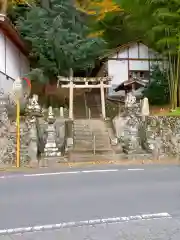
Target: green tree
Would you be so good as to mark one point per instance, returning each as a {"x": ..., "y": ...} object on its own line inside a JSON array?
[
  {"x": 59, "y": 40},
  {"x": 98, "y": 8},
  {"x": 115, "y": 29},
  {"x": 159, "y": 24},
  {"x": 157, "y": 90},
  {"x": 17, "y": 11}
]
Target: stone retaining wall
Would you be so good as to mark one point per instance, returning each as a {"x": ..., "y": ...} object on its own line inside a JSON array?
[
  {"x": 158, "y": 136},
  {"x": 161, "y": 135}
]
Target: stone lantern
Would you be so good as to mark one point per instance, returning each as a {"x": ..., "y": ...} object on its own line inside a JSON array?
[
  {"x": 51, "y": 148},
  {"x": 33, "y": 108}
]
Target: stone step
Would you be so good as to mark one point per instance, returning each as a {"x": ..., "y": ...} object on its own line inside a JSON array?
[
  {"x": 76, "y": 157},
  {"x": 82, "y": 136},
  {"x": 79, "y": 115},
  {"x": 96, "y": 127},
  {"x": 94, "y": 109},
  {"x": 90, "y": 136},
  {"x": 83, "y": 114},
  {"x": 84, "y": 127},
  {"x": 90, "y": 148},
  {"x": 82, "y": 133},
  {"x": 78, "y": 125},
  {"x": 90, "y": 145},
  {"x": 76, "y": 134},
  {"x": 81, "y": 140},
  {"x": 101, "y": 135},
  {"x": 84, "y": 130},
  {"x": 98, "y": 143},
  {"x": 83, "y": 144}
]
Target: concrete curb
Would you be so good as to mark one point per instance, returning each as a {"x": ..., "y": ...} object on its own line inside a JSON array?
[
  {"x": 15, "y": 169},
  {"x": 82, "y": 164},
  {"x": 122, "y": 163}
]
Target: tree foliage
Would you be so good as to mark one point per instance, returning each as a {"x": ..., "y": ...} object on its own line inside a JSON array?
[
  {"x": 114, "y": 29},
  {"x": 158, "y": 21},
  {"x": 157, "y": 90},
  {"x": 99, "y": 8},
  {"x": 19, "y": 8},
  {"x": 158, "y": 25},
  {"x": 110, "y": 22},
  {"x": 59, "y": 40}
]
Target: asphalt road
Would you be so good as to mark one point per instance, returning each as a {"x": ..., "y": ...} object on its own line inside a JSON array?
[
  {"x": 166, "y": 229},
  {"x": 52, "y": 199}
]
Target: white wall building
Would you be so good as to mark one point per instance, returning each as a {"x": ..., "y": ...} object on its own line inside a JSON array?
[
  {"x": 13, "y": 55},
  {"x": 131, "y": 60}
]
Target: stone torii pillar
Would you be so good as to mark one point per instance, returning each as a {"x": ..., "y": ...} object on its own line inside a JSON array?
[
  {"x": 103, "y": 107},
  {"x": 71, "y": 93}
]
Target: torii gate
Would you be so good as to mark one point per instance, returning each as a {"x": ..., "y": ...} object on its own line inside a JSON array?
[{"x": 99, "y": 82}]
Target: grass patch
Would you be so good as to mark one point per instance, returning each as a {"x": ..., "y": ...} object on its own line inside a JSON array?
[
  {"x": 174, "y": 113},
  {"x": 164, "y": 111}
]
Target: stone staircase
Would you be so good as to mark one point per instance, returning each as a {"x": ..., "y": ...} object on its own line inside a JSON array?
[
  {"x": 91, "y": 141},
  {"x": 79, "y": 107},
  {"x": 94, "y": 104}
]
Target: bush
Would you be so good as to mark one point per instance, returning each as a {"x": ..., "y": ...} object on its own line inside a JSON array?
[
  {"x": 112, "y": 109},
  {"x": 157, "y": 90}
]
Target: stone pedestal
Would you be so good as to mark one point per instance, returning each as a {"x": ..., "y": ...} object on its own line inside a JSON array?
[
  {"x": 24, "y": 144},
  {"x": 131, "y": 143},
  {"x": 61, "y": 112},
  {"x": 51, "y": 150},
  {"x": 129, "y": 123},
  {"x": 32, "y": 150},
  {"x": 34, "y": 111}
]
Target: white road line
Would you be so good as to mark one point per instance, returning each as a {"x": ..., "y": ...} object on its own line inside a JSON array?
[
  {"x": 84, "y": 223},
  {"x": 50, "y": 174},
  {"x": 72, "y": 172},
  {"x": 67, "y": 173},
  {"x": 136, "y": 169},
  {"x": 97, "y": 171},
  {"x": 57, "y": 173}
]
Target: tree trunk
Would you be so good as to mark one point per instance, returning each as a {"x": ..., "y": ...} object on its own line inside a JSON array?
[
  {"x": 3, "y": 6},
  {"x": 178, "y": 96},
  {"x": 45, "y": 4}
]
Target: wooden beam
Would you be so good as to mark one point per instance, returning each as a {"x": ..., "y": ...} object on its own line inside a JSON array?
[
  {"x": 136, "y": 59},
  {"x": 138, "y": 50},
  {"x": 103, "y": 106},
  {"x": 149, "y": 64},
  {"x": 86, "y": 86},
  {"x": 71, "y": 94},
  {"x": 81, "y": 79},
  {"x": 128, "y": 63}
]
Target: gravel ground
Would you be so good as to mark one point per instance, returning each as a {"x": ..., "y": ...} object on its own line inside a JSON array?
[{"x": 159, "y": 229}]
